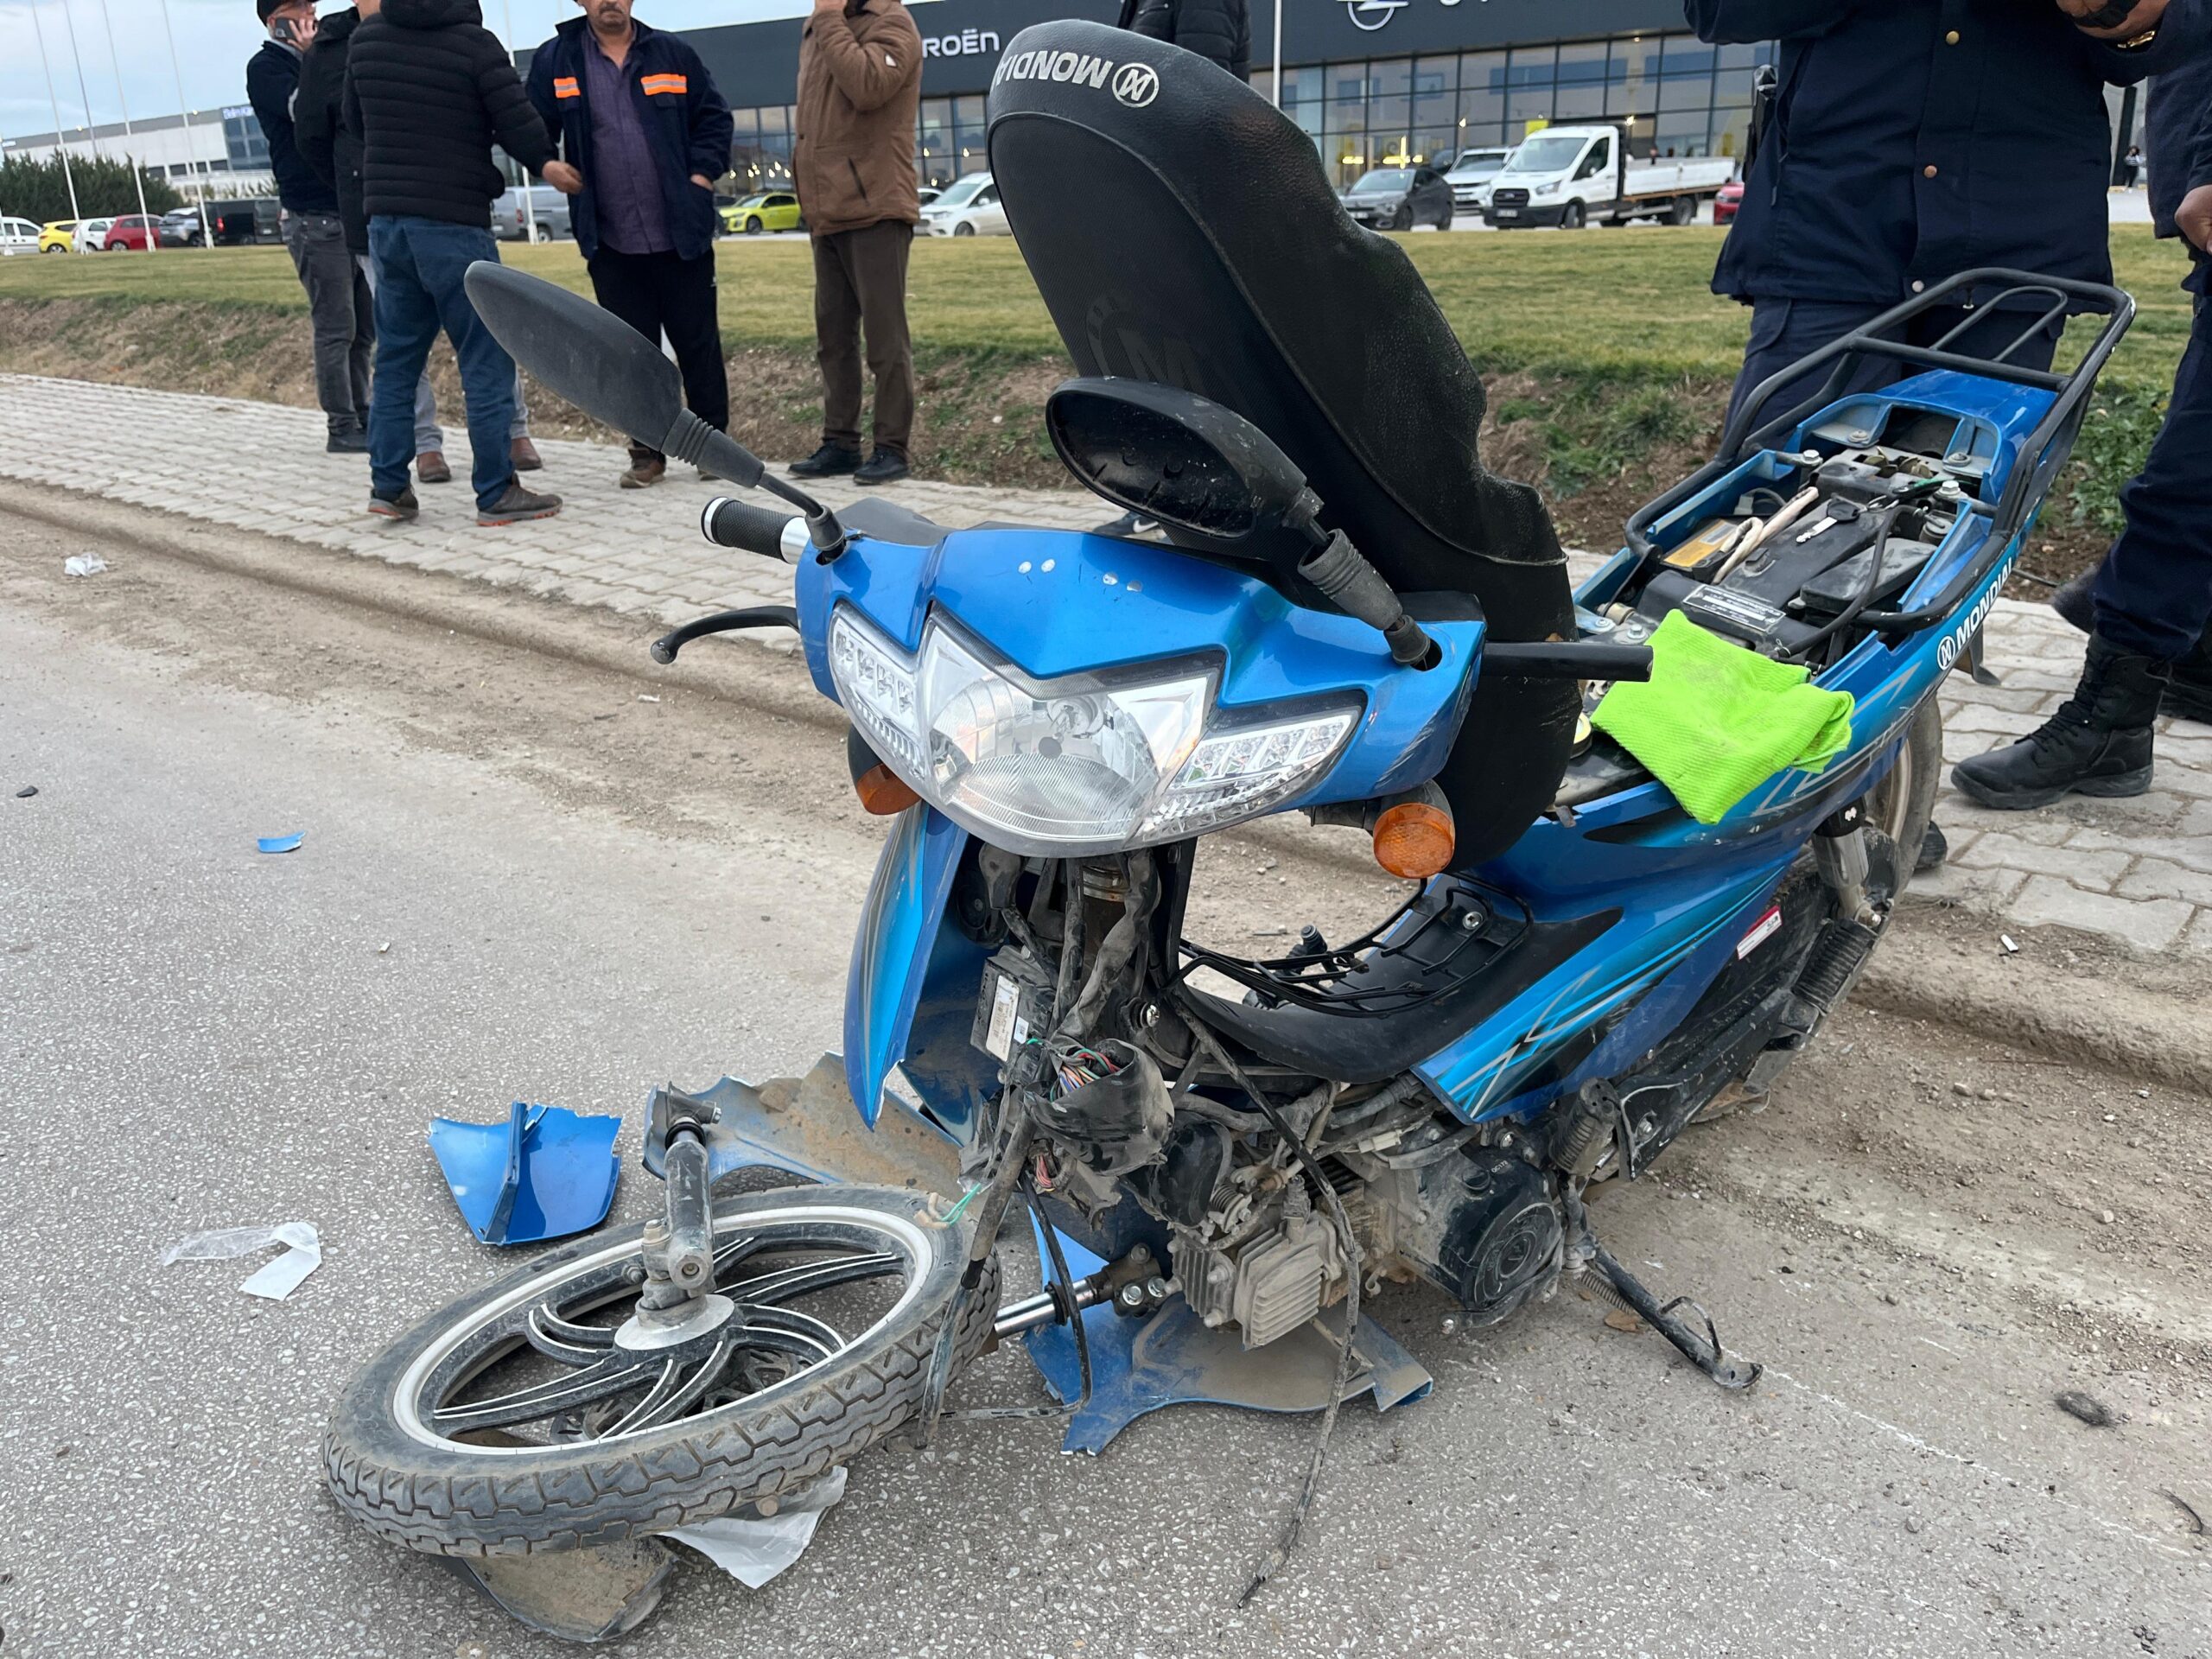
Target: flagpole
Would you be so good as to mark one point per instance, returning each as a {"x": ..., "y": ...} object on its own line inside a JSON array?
[
  {"x": 60, "y": 144},
  {"x": 85, "y": 97},
  {"x": 1276, "y": 86},
  {"x": 137, "y": 171},
  {"x": 528, "y": 195},
  {"x": 176, "y": 69}
]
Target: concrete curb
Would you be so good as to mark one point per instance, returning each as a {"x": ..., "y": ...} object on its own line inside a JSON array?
[{"x": 1926, "y": 970}]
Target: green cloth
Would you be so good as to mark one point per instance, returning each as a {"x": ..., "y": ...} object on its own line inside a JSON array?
[{"x": 1715, "y": 721}]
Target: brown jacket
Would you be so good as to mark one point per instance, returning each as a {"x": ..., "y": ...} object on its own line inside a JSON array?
[{"x": 859, "y": 88}]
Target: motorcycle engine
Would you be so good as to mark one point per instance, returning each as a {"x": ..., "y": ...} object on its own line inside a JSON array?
[{"x": 1270, "y": 1281}]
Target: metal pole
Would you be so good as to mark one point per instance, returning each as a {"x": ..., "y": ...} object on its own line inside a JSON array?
[
  {"x": 137, "y": 171},
  {"x": 84, "y": 97},
  {"x": 60, "y": 145},
  {"x": 1276, "y": 89},
  {"x": 176, "y": 69},
  {"x": 528, "y": 195}
]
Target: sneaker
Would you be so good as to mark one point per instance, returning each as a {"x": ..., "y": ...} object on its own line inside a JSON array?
[
  {"x": 430, "y": 467},
  {"x": 646, "y": 470},
  {"x": 403, "y": 506},
  {"x": 884, "y": 466},
  {"x": 523, "y": 454},
  {"x": 1128, "y": 525},
  {"x": 827, "y": 462},
  {"x": 346, "y": 440},
  {"x": 516, "y": 505}
]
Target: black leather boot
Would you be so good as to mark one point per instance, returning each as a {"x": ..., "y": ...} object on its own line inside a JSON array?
[
  {"x": 2098, "y": 743},
  {"x": 2070, "y": 599}
]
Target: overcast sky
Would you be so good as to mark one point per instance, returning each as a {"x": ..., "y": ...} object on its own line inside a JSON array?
[{"x": 213, "y": 40}]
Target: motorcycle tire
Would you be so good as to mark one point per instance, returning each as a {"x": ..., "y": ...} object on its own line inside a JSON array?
[
  {"x": 1903, "y": 804},
  {"x": 392, "y": 1471}
]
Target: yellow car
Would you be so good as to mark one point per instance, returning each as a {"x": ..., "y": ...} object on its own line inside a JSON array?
[
  {"x": 59, "y": 237},
  {"x": 764, "y": 210}
]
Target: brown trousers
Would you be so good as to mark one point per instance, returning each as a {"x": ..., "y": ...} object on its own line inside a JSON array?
[{"x": 860, "y": 282}]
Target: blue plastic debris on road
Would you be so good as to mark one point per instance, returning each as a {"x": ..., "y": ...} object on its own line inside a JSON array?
[
  {"x": 545, "y": 1173},
  {"x": 280, "y": 844}
]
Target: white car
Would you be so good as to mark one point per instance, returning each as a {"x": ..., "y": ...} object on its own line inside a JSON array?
[
  {"x": 970, "y": 207},
  {"x": 92, "y": 236},
  {"x": 1472, "y": 174},
  {"x": 18, "y": 236}
]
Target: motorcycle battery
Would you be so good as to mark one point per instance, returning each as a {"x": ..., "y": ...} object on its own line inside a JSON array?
[{"x": 1015, "y": 1006}]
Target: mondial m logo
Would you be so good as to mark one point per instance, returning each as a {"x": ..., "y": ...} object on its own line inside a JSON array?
[
  {"x": 1135, "y": 85},
  {"x": 1371, "y": 15}
]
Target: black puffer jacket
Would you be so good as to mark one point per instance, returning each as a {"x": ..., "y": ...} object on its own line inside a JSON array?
[
  {"x": 326, "y": 143},
  {"x": 430, "y": 91},
  {"x": 1219, "y": 31}
]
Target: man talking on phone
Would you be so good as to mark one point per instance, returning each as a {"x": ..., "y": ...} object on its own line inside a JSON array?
[{"x": 337, "y": 294}]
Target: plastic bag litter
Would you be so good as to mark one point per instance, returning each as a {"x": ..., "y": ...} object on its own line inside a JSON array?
[
  {"x": 273, "y": 1281},
  {"x": 754, "y": 1548},
  {"x": 83, "y": 564}
]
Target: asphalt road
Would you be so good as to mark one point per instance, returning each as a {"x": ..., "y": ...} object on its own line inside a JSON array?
[{"x": 521, "y": 881}]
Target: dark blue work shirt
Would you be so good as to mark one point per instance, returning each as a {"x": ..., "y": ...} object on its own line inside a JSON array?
[
  {"x": 2177, "y": 145},
  {"x": 625, "y": 179},
  {"x": 1914, "y": 139}
]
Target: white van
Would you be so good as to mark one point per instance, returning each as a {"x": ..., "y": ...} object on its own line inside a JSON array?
[
  {"x": 1569, "y": 175},
  {"x": 18, "y": 236}
]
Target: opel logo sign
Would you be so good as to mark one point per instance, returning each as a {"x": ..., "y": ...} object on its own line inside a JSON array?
[
  {"x": 1371, "y": 15},
  {"x": 1135, "y": 85}
]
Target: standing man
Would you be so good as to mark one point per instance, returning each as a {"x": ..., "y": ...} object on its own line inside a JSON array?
[
  {"x": 640, "y": 119},
  {"x": 430, "y": 90},
  {"x": 333, "y": 150},
  {"x": 859, "y": 88},
  {"x": 2150, "y": 603},
  {"x": 338, "y": 299},
  {"x": 1219, "y": 31},
  {"x": 1916, "y": 139}
]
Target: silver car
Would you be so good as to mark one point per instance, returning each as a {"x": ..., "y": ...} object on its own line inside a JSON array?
[{"x": 511, "y": 220}]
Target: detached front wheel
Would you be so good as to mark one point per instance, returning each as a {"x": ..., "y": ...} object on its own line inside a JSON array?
[{"x": 534, "y": 1416}]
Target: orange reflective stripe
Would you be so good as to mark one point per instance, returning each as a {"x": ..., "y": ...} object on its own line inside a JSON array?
[
  {"x": 652, "y": 83},
  {"x": 565, "y": 87}
]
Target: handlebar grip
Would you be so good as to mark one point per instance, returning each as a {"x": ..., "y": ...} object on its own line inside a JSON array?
[
  {"x": 1576, "y": 659},
  {"x": 771, "y": 534}
]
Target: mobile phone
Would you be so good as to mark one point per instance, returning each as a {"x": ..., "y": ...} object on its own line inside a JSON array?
[{"x": 285, "y": 31}]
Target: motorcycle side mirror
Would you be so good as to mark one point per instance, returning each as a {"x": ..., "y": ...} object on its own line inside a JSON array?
[
  {"x": 614, "y": 374},
  {"x": 1187, "y": 462}
]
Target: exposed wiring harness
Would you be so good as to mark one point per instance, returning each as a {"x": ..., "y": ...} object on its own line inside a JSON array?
[{"x": 1275, "y": 1558}]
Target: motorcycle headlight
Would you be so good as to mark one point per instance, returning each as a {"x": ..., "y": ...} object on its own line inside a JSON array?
[{"x": 1072, "y": 765}]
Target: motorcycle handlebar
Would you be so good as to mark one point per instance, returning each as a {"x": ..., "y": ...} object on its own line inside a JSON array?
[{"x": 771, "y": 534}]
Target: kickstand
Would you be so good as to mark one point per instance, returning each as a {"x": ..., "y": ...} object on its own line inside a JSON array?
[{"x": 1703, "y": 1352}]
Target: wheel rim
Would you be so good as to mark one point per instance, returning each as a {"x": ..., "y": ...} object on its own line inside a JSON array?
[{"x": 540, "y": 1368}]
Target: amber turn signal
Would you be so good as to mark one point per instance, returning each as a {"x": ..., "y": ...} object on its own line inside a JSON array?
[
  {"x": 1414, "y": 839},
  {"x": 883, "y": 792}
]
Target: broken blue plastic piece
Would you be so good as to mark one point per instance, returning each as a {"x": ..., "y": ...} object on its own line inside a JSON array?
[
  {"x": 544, "y": 1173},
  {"x": 280, "y": 844}
]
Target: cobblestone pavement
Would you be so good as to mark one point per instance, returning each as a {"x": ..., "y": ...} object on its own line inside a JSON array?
[{"x": 2137, "y": 872}]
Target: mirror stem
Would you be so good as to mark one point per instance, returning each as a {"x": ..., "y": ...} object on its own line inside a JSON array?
[{"x": 689, "y": 438}]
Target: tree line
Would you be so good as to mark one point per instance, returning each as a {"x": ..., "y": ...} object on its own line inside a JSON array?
[{"x": 105, "y": 188}]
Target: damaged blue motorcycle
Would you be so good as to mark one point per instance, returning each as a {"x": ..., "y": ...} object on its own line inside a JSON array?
[{"x": 1216, "y": 1157}]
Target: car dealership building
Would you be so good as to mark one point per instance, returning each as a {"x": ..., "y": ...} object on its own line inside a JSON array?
[{"x": 1374, "y": 81}]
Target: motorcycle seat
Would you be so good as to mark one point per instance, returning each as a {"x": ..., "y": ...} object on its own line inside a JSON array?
[{"x": 1181, "y": 231}]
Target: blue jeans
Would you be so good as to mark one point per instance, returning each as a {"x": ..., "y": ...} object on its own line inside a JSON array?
[
  {"x": 2153, "y": 593},
  {"x": 419, "y": 264}
]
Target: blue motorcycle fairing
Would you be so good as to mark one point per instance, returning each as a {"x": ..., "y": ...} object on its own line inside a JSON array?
[
  {"x": 1057, "y": 602},
  {"x": 900, "y": 922}
]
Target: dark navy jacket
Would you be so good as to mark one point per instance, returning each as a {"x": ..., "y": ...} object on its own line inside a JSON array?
[
  {"x": 2178, "y": 135},
  {"x": 1914, "y": 139},
  {"x": 686, "y": 120},
  {"x": 273, "y": 75}
]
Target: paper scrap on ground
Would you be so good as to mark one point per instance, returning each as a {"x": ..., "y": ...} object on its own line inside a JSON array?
[
  {"x": 753, "y": 1549},
  {"x": 274, "y": 1280},
  {"x": 280, "y": 844},
  {"x": 83, "y": 564}
]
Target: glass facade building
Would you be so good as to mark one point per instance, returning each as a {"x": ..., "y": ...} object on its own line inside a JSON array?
[{"x": 1676, "y": 95}]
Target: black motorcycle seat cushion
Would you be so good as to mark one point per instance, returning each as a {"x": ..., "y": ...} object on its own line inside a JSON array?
[{"x": 1181, "y": 231}]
